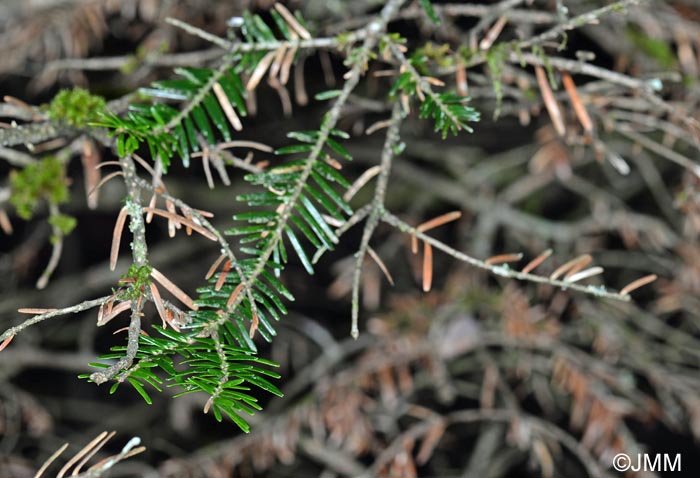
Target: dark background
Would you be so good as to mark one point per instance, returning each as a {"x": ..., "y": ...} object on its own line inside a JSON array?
[{"x": 511, "y": 200}]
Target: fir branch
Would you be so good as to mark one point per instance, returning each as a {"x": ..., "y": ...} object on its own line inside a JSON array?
[
  {"x": 198, "y": 98},
  {"x": 447, "y": 111},
  {"x": 375, "y": 30},
  {"x": 226, "y": 249}
]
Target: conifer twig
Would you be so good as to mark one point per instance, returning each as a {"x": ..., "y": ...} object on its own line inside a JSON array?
[
  {"x": 56, "y": 250},
  {"x": 498, "y": 269},
  {"x": 392, "y": 137},
  {"x": 579, "y": 21},
  {"x": 139, "y": 250},
  {"x": 310, "y": 43},
  {"x": 201, "y": 219},
  {"x": 374, "y": 30},
  {"x": 74, "y": 309}
]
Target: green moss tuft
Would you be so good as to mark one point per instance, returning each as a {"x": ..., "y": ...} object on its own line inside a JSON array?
[
  {"x": 64, "y": 223},
  {"x": 496, "y": 60},
  {"x": 138, "y": 278},
  {"x": 76, "y": 107},
  {"x": 44, "y": 179}
]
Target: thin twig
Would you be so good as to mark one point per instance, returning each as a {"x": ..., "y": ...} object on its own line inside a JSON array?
[
  {"x": 56, "y": 249},
  {"x": 579, "y": 21},
  {"x": 500, "y": 270},
  {"x": 357, "y": 217},
  {"x": 140, "y": 255},
  {"x": 311, "y": 43},
  {"x": 659, "y": 149},
  {"x": 392, "y": 137},
  {"x": 74, "y": 309},
  {"x": 223, "y": 367},
  {"x": 522, "y": 15},
  {"x": 119, "y": 62}
]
